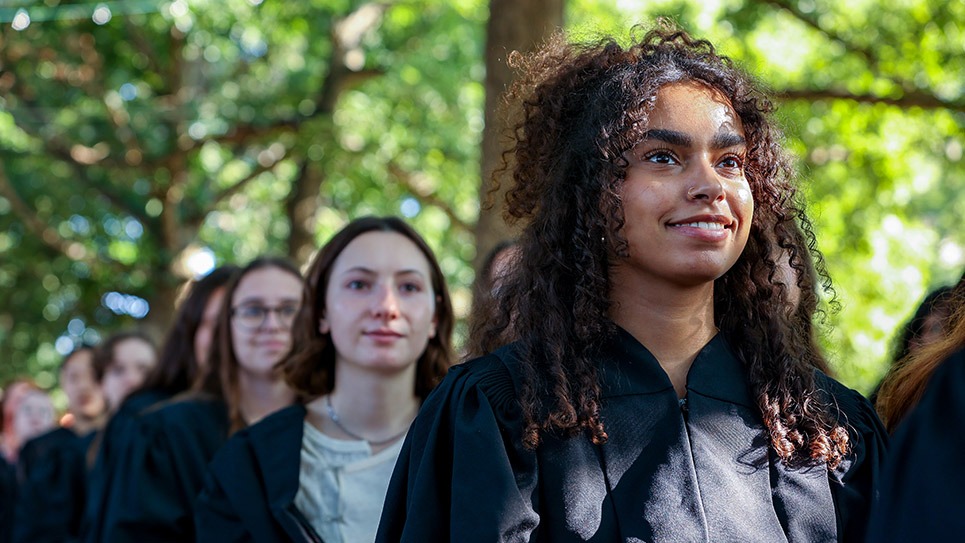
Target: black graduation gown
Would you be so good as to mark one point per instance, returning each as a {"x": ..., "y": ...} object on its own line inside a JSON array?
[
  {"x": 52, "y": 487},
  {"x": 665, "y": 475},
  {"x": 923, "y": 489},
  {"x": 249, "y": 491},
  {"x": 115, "y": 445},
  {"x": 155, "y": 494},
  {"x": 8, "y": 495}
]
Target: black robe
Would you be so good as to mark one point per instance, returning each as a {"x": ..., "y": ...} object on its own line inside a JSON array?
[
  {"x": 923, "y": 490},
  {"x": 704, "y": 472},
  {"x": 8, "y": 496},
  {"x": 114, "y": 451},
  {"x": 52, "y": 487},
  {"x": 249, "y": 492},
  {"x": 154, "y": 496}
]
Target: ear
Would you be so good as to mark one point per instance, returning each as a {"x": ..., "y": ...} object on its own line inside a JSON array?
[
  {"x": 323, "y": 326},
  {"x": 435, "y": 321}
]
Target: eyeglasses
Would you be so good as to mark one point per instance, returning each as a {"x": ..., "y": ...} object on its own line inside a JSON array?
[{"x": 253, "y": 317}]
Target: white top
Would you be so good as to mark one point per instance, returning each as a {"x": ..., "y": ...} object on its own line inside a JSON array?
[{"x": 341, "y": 486}]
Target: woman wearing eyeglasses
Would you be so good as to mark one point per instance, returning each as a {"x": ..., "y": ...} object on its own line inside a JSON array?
[
  {"x": 240, "y": 386},
  {"x": 373, "y": 338}
]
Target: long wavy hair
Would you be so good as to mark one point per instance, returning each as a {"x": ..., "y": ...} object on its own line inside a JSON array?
[
  {"x": 178, "y": 367},
  {"x": 904, "y": 385},
  {"x": 220, "y": 380},
  {"x": 578, "y": 110},
  {"x": 310, "y": 369}
]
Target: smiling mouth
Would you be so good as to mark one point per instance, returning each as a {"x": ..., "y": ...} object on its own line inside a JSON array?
[{"x": 703, "y": 225}]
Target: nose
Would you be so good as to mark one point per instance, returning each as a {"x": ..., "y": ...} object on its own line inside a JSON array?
[
  {"x": 385, "y": 304},
  {"x": 705, "y": 184},
  {"x": 273, "y": 320}
]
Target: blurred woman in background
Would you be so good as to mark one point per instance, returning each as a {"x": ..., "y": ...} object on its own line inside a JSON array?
[{"x": 176, "y": 439}]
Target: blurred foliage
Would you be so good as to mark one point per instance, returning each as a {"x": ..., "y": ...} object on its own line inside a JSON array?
[{"x": 129, "y": 147}]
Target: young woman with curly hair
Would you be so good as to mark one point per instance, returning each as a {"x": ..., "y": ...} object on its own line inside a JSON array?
[
  {"x": 372, "y": 339},
  {"x": 650, "y": 376}
]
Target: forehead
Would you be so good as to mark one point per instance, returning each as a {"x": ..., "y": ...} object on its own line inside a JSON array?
[
  {"x": 132, "y": 348},
  {"x": 268, "y": 282},
  {"x": 389, "y": 252},
  {"x": 79, "y": 361},
  {"x": 692, "y": 107}
]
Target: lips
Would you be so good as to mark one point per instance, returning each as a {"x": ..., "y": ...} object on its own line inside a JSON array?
[{"x": 382, "y": 333}]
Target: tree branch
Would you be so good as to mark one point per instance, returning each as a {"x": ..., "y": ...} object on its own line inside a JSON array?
[
  {"x": 45, "y": 233},
  {"x": 920, "y": 99},
  {"x": 427, "y": 196}
]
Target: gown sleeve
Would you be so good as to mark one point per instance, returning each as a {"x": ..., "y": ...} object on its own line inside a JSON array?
[
  {"x": 157, "y": 495},
  {"x": 214, "y": 516},
  {"x": 856, "y": 483},
  {"x": 51, "y": 488},
  {"x": 463, "y": 475},
  {"x": 922, "y": 498}
]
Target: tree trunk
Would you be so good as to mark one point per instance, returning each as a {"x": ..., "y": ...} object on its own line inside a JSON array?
[{"x": 514, "y": 25}]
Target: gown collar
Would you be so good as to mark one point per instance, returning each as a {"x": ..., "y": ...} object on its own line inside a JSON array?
[{"x": 627, "y": 367}]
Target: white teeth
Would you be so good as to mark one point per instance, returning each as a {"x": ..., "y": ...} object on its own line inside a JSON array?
[{"x": 705, "y": 225}]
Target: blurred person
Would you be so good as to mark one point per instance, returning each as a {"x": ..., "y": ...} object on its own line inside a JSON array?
[
  {"x": 182, "y": 360},
  {"x": 649, "y": 376},
  {"x": 34, "y": 416},
  {"x": 496, "y": 267},
  {"x": 922, "y": 400},
  {"x": 122, "y": 362},
  {"x": 52, "y": 472},
  {"x": 373, "y": 337},
  {"x": 86, "y": 405},
  {"x": 926, "y": 326},
  {"x": 11, "y": 438},
  {"x": 26, "y": 413},
  {"x": 238, "y": 386}
]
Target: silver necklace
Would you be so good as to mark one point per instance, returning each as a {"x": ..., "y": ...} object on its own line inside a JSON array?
[{"x": 334, "y": 416}]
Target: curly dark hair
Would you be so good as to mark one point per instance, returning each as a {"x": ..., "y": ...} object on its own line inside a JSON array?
[
  {"x": 579, "y": 109},
  {"x": 310, "y": 369}
]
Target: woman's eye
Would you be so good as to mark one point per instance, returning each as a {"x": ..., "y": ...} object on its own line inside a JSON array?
[
  {"x": 411, "y": 287},
  {"x": 356, "y": 284},
  {"x": 660, "y": 157},
  {"x": 732, "y": 162}
]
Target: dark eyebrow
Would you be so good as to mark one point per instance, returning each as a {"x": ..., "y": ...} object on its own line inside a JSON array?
[
  {"x": 721, "y": 140},
  {"x": 670, "y": 136}
]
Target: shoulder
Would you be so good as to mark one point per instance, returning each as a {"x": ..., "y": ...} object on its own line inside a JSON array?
[
  {"x": 193, "y": 415},
  {"x": 849, "y": 405},
  {"x": 278, "y": 430},
  {"x": 275, "y": 426},
  {"x": 494, "y": 376},
  {"x": 141, "y": 400}
]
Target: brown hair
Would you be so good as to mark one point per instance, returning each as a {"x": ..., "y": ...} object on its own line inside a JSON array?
[
  {"x": 904, "y": 385},
  {"x": 104, "y": 352},
  {"x": 310, "y": 370},
  {"x": 220, "y": 379},
  {"x": 581, "y": 108},
  {"x": 178, "y": 367}
]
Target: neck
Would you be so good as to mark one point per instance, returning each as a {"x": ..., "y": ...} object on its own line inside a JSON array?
[
  {"x": 372, "y": 405},
  {"x": 262, "y": 396},
  {"x": 673, "y": 324},
  {"x": 84, "y": 425},
  {"x": 9, "y": 447}
]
